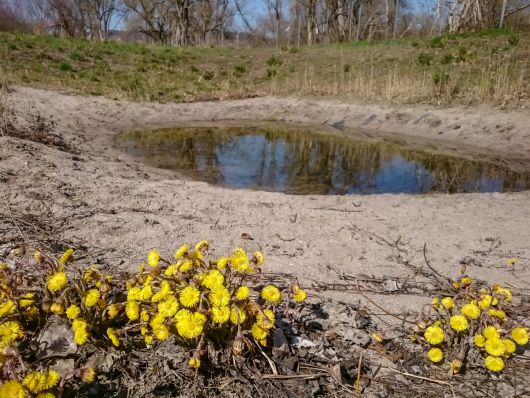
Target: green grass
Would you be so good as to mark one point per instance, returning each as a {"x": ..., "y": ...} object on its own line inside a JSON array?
[{"x": 488, "y": 66}]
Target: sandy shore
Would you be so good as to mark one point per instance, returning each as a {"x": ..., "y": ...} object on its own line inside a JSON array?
[{"x": 119, "y": 208}]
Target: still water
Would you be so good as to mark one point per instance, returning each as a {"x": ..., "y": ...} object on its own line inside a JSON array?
[{"x": 301, "y": 162}]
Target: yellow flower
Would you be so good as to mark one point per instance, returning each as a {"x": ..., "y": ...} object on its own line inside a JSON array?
[
  {"x": 26, "y": 300},
  {"x": 37, "y": 256},
  {"x": 265, "y": 319},
  {"x": 505, "y": 292},
  {"x": 258, "y": 333},
  {"x": 239, "y": 261},
  {"x": 165, "y": 290},
  {"x": 52, "y": 378},
  {"x": 168, "y": 307},
  {"x": 132, "y": 310},
  {"x": 511, "y": 261},
  {"x": 456, "y": 285},
  {"x": 57, "y": 281},
  {"x": 491, "y": 332},
  {"x": 434, "y": 335},
  {"x": 148, "y": 339},
  {"x": 448, "y": 303},
  {"x": 456, "y": 365},
  {"x": 45, "y": 395},
  {"x": 9, "y": 332},
  {"x": 237, "y": 315},
  {"x": 300, "y": 296},
  {"x": 80, "y": 336},
  {"x": 12, "y": 389},
  {"x": 144, "y": 316},
  {"x": 73, "y": 312},
  {"x": 466, "y": 280},
  {"x": 194, "y": 363},
  {"x": 181, "y": 251},
  {"x": 35, "y": 382},
  {"x": 495, "y": 347},
  {"x": 7, "y": 308},
  {"x": 67, "y": 256},
  {"x": 219, "y": 297},
  {"x": 79, "y": 324},
  {"x": 189, "y": 296},
  {"x": 153, "y": 258},
  {"x": 57, "y": 308},
  {"x": 260, "y": 258},
  {"x": 471, "y": 310},
  {"x": 221, "y": 263},
  {"x": 161, "y": 332},
  {"x": 186, "y": 266},
  {"x": 183, "y": 312},
  {"x": 485, "y": 301},
  {"x": 220, "y": 314},
  {"x": 435, "y": 355},
  {"x": 271, "y": 294},
  {"x": 113, "y": 336},
  {"x": 92, "y": 297},
  {"x": 494, "y": 364},
  {"x": 497, "y": 313},
  {"x": 88, "y": 375},
  {"x": 520, "y": 335},
  {"x": 170, "y": 271},
  {"x": 146, "y": 293},
  {"x": 479, "y": 340},
  {"x": 459, "y": 323},
  {"x": 213, "y": 279},
  {"x": 242, "y": 293},
  {"x": 191, "y": 326},
  {"x": 377, "y": 337},
  {"x": 134, "y": 293},
  {"x": 509, "y": 346},
  {"x": 201, "y": 246},
  {"x": 435, "y": 303},
  {"x": 112, "y": 311}
]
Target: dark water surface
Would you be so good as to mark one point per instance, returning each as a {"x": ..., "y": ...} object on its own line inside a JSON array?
[{"x": 298, "y": 162}]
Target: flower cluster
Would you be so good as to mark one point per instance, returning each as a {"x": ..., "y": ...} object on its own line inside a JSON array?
[
  {"x": 197, "y": 303},
  {"x": 472, "y": 321}
]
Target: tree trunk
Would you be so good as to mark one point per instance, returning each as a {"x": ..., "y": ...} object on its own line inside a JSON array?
[{"x": 503, "y": 11}]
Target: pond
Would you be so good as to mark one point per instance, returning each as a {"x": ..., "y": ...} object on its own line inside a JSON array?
[{"x": 304, "y": 162}]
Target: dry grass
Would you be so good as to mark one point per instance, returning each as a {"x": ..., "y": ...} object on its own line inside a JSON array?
[{"x": 466, "y": 69}]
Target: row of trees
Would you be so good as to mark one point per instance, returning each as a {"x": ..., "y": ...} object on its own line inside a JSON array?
[{"x": 280, "y": 22}]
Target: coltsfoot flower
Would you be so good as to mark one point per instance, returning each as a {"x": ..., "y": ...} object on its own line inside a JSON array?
[
  {"x": 113, "y": 336},
  {"x": 12, "y": 389},
  {"x": 237, "y": 316},
  {"x": 242, "y": 293},
  {"x": 57, "y": 281},
  {"x": 132, "y": 310},
  {"x": 459, "y": 323},
  {"x": 73, "y": 312},
  {"x": 471, "y": 310},
  {"x": 494, "y": 364},
  {"x": 448, "y": 303},
  {"x": 479, "y": 340},
  {"x": 182, "y": 250},
  {"x": 520, "y": 335},
  {"x": 92, "y": 297},
  {"x": 191, "y": 325},
  {"x": 153, "y": 258},
  {"x": 194, "y": 363},
  {"x": 220, "y": 315},
  {"x": 271, "y": 294},
  {"x": 495, "y": 347},
  {"x": 189, "y": 296},
  {"x": 491, "y": 332},
  {"x": 435, "y": 355},
  {"x": 434, "y": 335}
]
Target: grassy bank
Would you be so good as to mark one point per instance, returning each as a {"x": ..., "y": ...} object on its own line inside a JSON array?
[{"x": 489, "y": 66}]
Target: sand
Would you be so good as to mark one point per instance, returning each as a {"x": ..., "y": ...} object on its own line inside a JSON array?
[{"x": 117, "y": 208}]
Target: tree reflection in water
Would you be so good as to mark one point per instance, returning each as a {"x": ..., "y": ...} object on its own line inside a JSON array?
[{"x": 295, "y": 162}]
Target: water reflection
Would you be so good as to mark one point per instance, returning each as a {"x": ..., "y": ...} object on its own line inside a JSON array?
[{"x": 307, "y": 163}]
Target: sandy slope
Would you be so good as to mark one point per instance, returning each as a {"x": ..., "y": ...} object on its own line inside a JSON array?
[{"x": 120, "y": 208}]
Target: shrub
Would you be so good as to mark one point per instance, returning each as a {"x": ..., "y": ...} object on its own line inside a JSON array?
[
  {"x": 273, "y": 61},
  {"x": 446, "y": 59},
  {"x": 425, "y": 59},
  {"x": 437, "y": 42},
  {"x": 65, "y": 67},
  {"x": 513, "y": 40}
]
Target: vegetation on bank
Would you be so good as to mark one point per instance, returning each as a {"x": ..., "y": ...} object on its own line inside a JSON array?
[{"x": 488, "y": 66}]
